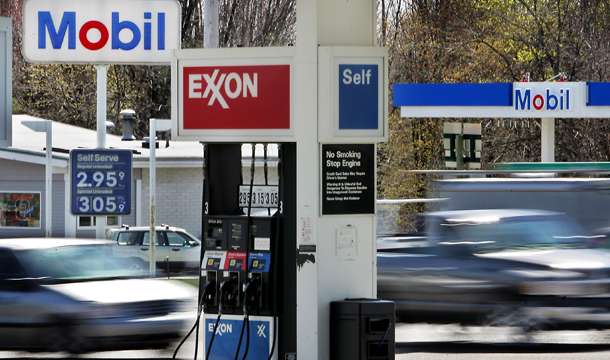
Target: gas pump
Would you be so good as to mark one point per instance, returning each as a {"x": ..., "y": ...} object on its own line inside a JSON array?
[{"x": 248, "y": 257}]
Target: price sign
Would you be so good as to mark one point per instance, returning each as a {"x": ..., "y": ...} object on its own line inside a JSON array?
[
  {"x": 101, "y": 181},
  {"x": 264, "y": 196}
]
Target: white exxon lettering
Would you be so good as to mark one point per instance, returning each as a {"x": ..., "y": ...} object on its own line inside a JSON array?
[
  {"x": 222, "y": 328},
  {"x": 233, "y": 85}
]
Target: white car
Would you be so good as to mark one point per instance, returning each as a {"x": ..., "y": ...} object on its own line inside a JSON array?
[
  {"x": 71, "y": 295},
  {"x": 175, "y": 249}
]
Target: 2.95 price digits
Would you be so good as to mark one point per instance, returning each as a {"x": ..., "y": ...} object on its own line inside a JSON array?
[
  {"x": 101, "y": 204},
  {"x": 99, "y": 178}
]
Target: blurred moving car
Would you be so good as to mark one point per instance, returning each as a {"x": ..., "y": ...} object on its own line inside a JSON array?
[
  {"x": 528, "y": 268},
  {"x": 175, "y": 247},
  {"x": 72, "y": 295}
]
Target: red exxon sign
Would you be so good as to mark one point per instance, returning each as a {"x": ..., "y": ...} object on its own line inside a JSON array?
[{"x": 236, "y": 97}]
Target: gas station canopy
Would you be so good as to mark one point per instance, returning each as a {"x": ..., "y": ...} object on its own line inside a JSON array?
[{"x": 504, "y": 100}]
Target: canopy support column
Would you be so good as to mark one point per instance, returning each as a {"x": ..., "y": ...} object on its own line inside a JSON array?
[{"x": 547, "y": 140}]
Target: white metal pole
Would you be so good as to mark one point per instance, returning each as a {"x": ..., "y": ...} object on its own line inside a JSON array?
[
  {"x": 210, "y": 24},
  {"x": 153, "y": 190},
  {"x": 547, "y": 140},
  {"x": 49, "y": 180},
  {"x": 102, "y": 75}
]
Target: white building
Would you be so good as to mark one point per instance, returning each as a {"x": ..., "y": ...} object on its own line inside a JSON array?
[{"x": 179, "y": 183}]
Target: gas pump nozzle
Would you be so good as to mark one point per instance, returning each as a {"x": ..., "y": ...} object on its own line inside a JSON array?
[
  {"x": 253, "y": 292},
  {"x": 208, "y": 295},
  {"x": 229, "y": 291}
]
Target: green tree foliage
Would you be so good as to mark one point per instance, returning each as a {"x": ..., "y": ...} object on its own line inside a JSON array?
[
  {"x": 429, "y": 41},
  {"x": 448, "y": 41}
]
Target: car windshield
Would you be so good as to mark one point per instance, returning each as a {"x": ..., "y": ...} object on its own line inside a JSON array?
[
  {"x": 73, "y": 263},
  {"x": 523, "y": 232}
]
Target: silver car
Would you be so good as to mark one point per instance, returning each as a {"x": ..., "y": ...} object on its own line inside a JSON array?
[
  {"x": 72, "y": 295},
  {"x": 175, "y": 249}
]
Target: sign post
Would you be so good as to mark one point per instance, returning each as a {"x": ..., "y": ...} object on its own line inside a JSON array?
[
  {"x": 6, "y": 82},
  {"x": 46, "y": 126},
  {"x": 109, "y": 32},
  {"x": 161, "y": 125}
]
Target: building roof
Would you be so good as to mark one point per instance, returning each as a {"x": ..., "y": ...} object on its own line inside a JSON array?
[{"x": 29, "y": 146}]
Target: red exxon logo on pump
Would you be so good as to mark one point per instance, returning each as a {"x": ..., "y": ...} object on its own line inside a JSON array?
[
  {"x": 236, "y": 97},
  {"x": 550, "y": 100}
]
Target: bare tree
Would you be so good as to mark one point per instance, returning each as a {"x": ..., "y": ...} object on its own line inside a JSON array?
[{"x": 66, "y": 93}]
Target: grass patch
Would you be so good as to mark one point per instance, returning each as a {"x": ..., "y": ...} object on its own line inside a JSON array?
[{"x": 194, "y": 282}]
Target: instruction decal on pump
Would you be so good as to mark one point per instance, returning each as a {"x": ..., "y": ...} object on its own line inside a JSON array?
[
  {"x": 214, "y": 260},
  {"x": 259, "y": 261},
  {"x": 262, "y": 244},
  {"x": 235, "y": 261}
]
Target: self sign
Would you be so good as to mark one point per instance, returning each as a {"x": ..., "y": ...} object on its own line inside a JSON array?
[
  {"x": 363, "y": 78},
  {"x": 358, "y": 97}
]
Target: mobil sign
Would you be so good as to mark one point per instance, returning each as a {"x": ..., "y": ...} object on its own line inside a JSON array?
[
  {"x": 234, "y": 97},
  {"x": 101, "y": 31},
  {"x": 544, "y": 97},
  {"x": 504, "y": 100}
]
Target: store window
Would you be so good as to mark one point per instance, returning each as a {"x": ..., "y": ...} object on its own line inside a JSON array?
[
  {"x": 85, "y": 222},
  {"x": 20, "y": 210}
]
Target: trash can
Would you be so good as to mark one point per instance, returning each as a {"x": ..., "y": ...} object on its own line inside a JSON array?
[{"x": 362, "y": 329}]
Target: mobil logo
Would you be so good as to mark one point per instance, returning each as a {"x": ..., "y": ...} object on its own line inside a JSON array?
[
  {"x": 543, "y": 99},
  {"x": 101, "y": 31},
  {"x": 236, "y": 97},
  {"x": 116, "y": 31}
]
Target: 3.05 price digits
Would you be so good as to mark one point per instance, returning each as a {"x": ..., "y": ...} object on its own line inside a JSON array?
[
  {"x": 99, "y": 178},
  {"x": 101, "y": 204}
]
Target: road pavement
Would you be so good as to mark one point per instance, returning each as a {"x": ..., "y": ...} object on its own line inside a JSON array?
[{"x": 430, "y": 342}]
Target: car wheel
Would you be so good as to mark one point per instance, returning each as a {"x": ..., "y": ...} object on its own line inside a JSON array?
[
  {"x": 65, "y": 338},
  {"x": 137, "y": 265},
  {"x": 520, "y": 321}
]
